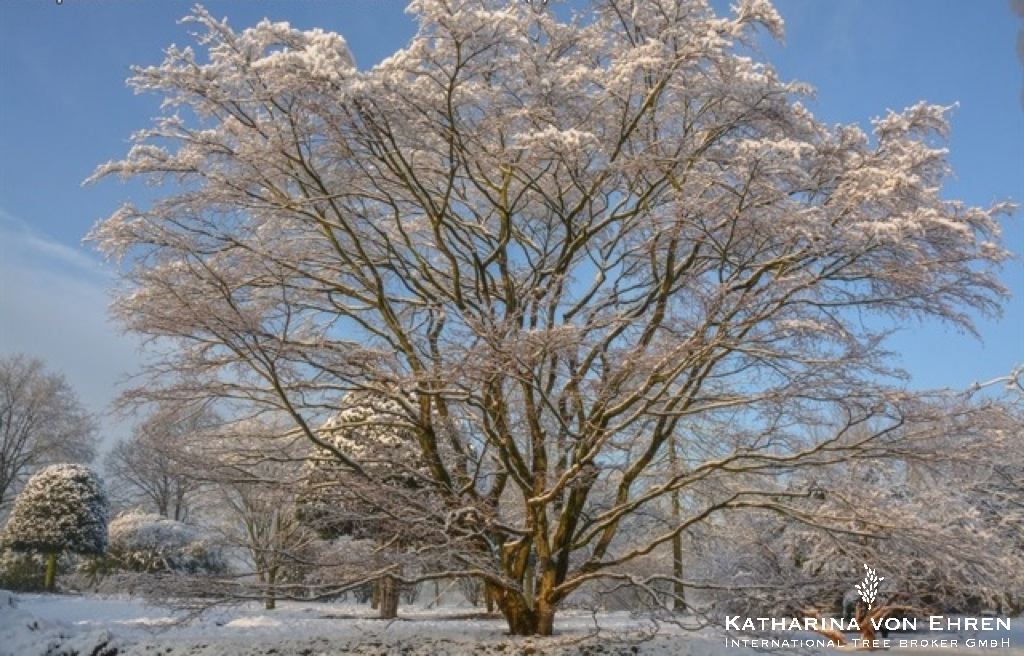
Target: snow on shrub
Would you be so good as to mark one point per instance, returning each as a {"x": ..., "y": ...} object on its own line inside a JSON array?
[
  {"x": 22, "y": 571},
  {"x": 62, "y": 508},
  {"x": 146, "y": 542},
  {"x": 373, "y": 431}
]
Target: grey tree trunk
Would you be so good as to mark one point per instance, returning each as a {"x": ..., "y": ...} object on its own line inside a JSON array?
[
  {"x": 678, "y": 591},
  {"x": 388, "y": 597},
  {"x": 270, "y": 596}
]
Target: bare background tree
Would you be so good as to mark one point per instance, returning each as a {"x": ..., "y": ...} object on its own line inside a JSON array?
[
  {"x": 559, "y": 248},
  {"x": 41, "y": 422},
  {"x": 151, "y": 468},
  {"x": 250, "y": 474}
]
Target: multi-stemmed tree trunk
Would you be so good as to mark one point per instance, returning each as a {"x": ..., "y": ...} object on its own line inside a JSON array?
[{"x": 554, "y": 247}]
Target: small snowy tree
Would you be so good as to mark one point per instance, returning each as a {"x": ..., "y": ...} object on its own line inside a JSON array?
[
  {"x": 62, "y": 508},
  {"x": 260, "y": 518},
  {"x": 377, "y": 503}
]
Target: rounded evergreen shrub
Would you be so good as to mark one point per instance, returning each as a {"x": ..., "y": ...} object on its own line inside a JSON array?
[
  {"x": 149, "y": 543},
  {"x": 62, "y": 509}
]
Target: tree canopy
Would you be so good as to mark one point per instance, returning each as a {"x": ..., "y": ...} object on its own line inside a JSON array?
[
  {"x": 559, "y": 246},
  {"x": 62, "y": 508},
  {"x": 41, "y": 421}
]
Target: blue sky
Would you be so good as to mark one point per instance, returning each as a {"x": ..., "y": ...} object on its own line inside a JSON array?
[{"x": 64, "y": 109}]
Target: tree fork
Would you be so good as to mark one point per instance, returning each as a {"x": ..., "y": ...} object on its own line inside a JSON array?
[{"x": 521, "y": 619}]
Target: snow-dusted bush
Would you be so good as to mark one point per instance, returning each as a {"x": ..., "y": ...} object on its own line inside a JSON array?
[
  {"x": 62, "y": 508},
  {"x": 373, "y": 432},
  {"x": 147, "y": 542},
  {"x": 22, "y": 571}
]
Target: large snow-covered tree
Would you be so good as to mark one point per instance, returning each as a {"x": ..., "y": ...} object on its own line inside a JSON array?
[
  {"x": 558, "y": 245},
  {"x": 41, "y": 422},
  {"x": 62, "y": 508}
]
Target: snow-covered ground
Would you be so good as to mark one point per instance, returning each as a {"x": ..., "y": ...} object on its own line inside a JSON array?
[{"x": 33, "y": 625}]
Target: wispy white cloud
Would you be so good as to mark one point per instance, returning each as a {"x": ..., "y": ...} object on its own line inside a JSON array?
[
  {"x": 53, "y": 305},
  {"x": 20, "y": 241}
]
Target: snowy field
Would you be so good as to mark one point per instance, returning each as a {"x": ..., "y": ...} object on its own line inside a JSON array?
[{"x": 33, "y": 625}]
